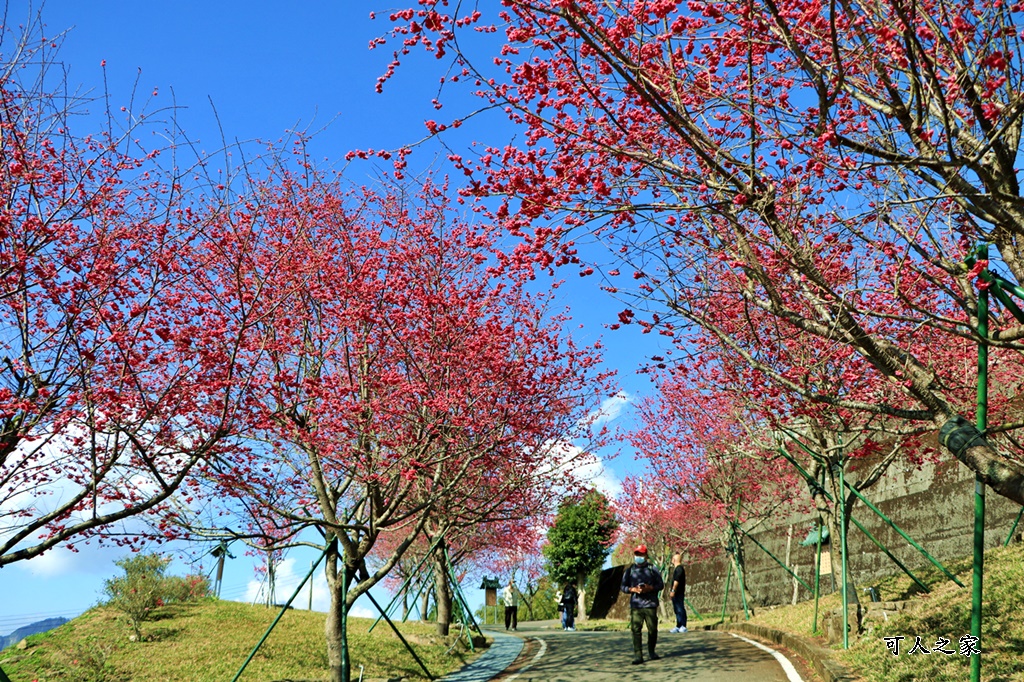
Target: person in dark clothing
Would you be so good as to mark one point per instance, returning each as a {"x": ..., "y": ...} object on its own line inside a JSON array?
[
  {"x": 567, "y": 605},
  {"x": 677, "y": 592},
  {"x": 643, "y": 583}
]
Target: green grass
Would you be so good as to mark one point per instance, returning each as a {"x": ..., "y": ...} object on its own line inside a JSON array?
[
  {"x": 210, "y": 640},
  {"x": 943, "y": 612}
]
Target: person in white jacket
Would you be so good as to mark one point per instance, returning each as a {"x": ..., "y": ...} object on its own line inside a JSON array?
[{"x": 510, "y": 598}]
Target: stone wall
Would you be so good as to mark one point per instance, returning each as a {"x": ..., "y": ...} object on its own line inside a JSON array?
[{"x": 933, "y": 504}]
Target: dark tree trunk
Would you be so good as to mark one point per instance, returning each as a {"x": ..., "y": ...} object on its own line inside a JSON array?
[{"x": 442, "y": 591}]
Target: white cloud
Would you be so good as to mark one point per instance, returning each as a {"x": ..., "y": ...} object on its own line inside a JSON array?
[
  {"x": 587, "y": 468},
  {"x": 287, "y": 575},
  {"x": 611, "y": 408},
  {"x": 601, "y": 477},
  {"x": 286, "y": 579},
  {"x": 92, "y": 559},
  {"x": 362, "y": 612}
]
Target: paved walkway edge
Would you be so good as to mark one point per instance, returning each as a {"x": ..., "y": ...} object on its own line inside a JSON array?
[
  {"x": 818, "y": 657},
  {"x": 494, "y": 660}
]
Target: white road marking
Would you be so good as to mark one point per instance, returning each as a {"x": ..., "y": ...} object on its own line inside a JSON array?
[
  {"x": 791, "y": 672},
  {"x": 536, "y": 657}
]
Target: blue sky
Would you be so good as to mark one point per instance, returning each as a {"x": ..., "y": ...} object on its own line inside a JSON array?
[{"x": 266, "y": 68}]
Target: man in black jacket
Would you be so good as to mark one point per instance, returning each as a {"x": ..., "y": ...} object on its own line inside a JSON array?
[
  {"x": 677, "y": 591},
  {"x": 643, "y": 583}
]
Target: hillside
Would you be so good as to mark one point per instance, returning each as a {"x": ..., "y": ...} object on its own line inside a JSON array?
[
  {"x": 211, "y": 639},
  {"x": 943, "y": 612}
]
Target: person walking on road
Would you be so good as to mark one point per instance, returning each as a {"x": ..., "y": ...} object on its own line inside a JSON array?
[
  {"x": 510, "y": 598},
  {"x": 643, "y": 583},
  {"x": 677, "y": 592},
  {"x": 567, "y": 605}
]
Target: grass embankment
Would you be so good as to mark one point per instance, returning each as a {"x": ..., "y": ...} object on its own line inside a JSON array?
[
  {"x": 945, "y": 612},
  {"x": 210, "y": 640}
]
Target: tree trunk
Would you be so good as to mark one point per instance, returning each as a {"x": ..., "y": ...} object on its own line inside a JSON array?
[
  {"x": 335, "y": 625},
  {"x": 425, "y": 603},
  {"x": 442, "y": 592}
]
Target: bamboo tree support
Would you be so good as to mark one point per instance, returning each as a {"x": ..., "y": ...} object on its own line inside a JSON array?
[
  {"x": 1010, "y": 536},
  {"x": 281, "y": 614},
  {"x": 981, "y": 416},
  {"x": 725, "y": 601},
  {"x": 860, "y": 496},
  {"x": 777, "y": 560},
  {"x": 841, "y": 506},
  {"x": 817, "y": 577}
]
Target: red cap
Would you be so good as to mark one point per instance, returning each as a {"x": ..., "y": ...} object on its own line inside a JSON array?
[{"x": 641, "y": 549}]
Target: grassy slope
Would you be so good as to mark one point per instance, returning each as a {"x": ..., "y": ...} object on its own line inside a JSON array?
[
  {"x": 210, "y": 640},
  {"x": 945, "y": 612}
]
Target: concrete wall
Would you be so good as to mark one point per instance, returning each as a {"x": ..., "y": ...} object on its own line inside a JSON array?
[{"x": 933, "y": 504}]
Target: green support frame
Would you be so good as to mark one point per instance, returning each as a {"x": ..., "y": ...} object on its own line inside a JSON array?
[
  {"x": 728, "y": 577},
  {"x": 1014, "y": 527},
  {"x": 885, "y": 518},
  {"x": 981, "y": 418},
  {"x": 817, "y": 576},
  {"x": 777, "y": 560}
]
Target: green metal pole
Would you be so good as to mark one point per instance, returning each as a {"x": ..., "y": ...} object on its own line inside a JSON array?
[
  {"x": 725, "y": 601},
  {"x": 695, "y": 611},
  {"x": 817, "y": 576},
  {"x": 997, "y": 291},
  {"x": 935, "y": 562},
  {"x": 867, "y": 503},
  {"x": 981, "y": 415},
  {"x": 777, "y": 560},
  {"x": 279, "y": 616},
  {"x": 1010, "y": 536},
  {"x": 405, "y": 583},
  {"x": 889, "y": 554},
  {"x": 841, "y": 506},
  {"x": 419, "y": 591},
  {"x": 468, "y": 618},
  {"x": 739, "y": 571},
  {"x": 407, "y": 645},
  {"x": 1004, "y": 285},
  {"x": 861, "y": 527}
]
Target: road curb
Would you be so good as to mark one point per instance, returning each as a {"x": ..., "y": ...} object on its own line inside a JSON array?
[{"x": 818, "y": 657}]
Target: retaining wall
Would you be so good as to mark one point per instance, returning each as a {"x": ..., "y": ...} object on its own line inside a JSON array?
[{"x": 933, "y": 504}]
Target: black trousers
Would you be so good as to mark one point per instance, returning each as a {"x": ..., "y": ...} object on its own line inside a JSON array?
[{"x": 511, "y": 617}]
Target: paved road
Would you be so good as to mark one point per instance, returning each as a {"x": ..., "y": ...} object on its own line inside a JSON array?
[{"x": 551, "y": 655}]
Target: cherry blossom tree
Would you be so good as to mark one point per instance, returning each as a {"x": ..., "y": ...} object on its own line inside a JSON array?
[
  {"x": 413, "y": 385},
  {"x": 826, "y": 167},
  {"x": 123, "y": 364},
  {"x": 711, "y": 474}
]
